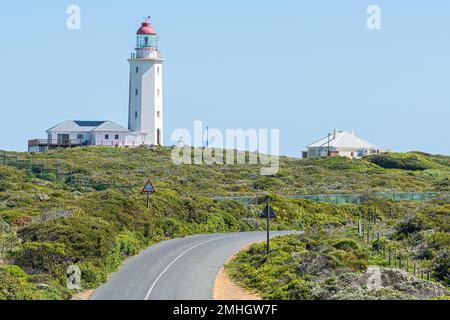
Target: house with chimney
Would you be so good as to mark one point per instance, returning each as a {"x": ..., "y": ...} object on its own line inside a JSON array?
[{"x": 342, "y": 144}]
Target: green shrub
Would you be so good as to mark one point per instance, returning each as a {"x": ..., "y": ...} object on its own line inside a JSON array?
[
  {"x": 43, "y": 257},
  {"x": 403, "y": 161},
  {"x": 85, "y": 238},
  {"x": 15, "y": 287}
]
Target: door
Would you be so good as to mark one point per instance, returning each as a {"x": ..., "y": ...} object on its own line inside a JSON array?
[
  {"x": 63, "y": 138},
  {"x": 158, "y": 137}
]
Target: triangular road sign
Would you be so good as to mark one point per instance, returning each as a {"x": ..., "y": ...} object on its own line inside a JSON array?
[
  {"x": 265, "y": 213},
  {"x": 148, "y": 188}
]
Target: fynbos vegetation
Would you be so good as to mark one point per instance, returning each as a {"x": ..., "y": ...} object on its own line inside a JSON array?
[{"x": 49, "y": 224}]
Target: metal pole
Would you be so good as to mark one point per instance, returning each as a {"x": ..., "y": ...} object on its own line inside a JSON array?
[
  {"x": 207, "y": 137},
  {"x": 268, "y": 229},
  {"x": 148, "y": 200},
  {"x": 329, "y": 150}
]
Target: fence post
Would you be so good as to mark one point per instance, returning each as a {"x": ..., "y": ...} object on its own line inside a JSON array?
[
  {"x": 378, "y": 242},
  {"x": 359, "y": 227},
  {"x": 368, "y": 231},
  {"x": 395, "y": 258},
  {"x": 390, "y": 255},
  {"x": 363, "y": 223},
  {"x": 414, "y": 269},
  {"x": 375, "y": 215}
]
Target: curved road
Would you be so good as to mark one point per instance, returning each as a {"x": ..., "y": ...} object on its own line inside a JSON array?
[{"x": 178, "y": 269}]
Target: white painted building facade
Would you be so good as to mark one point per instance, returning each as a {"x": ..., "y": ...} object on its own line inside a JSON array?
[
  {"x": 343, "y": 144},
  {"x": 145, "y": 114}
]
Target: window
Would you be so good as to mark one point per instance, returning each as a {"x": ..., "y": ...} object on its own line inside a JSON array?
[
  {"x": 157, "y": 71},
  {"x": 158, "y": 92},
  {"x": 135, "y": 114},
  {"x": 106, "y": 136},
  {"x": 137, "y": 91},
  {"x": 79, "y": 137},
  {"x": 137, "y": 69},
  {"x": 158, "y": 114},
  {"x": 117, "y": 137}
]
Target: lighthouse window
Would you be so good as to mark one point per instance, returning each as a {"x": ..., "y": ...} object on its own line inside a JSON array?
[
  {"x": 159, "y": 114},
  {"x": 137, "y": 91},
  {"x": 137, "y": 69},
  {"x": 157, "y": 70},
  {"x": 158, "y": 92},
  {"x": 135, "y": 114}
]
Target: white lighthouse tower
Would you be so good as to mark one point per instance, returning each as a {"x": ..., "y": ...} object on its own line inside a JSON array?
[{"x": 145, "y": 116}]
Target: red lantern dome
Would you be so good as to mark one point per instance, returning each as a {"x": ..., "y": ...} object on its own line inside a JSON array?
[{"x": 146, "y": 28}]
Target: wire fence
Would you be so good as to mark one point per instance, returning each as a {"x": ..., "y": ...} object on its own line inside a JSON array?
[
  {"x": 344, "y": 198},
  {"x": 370, "y": 229},
  {"x": 57, "y": 172}
]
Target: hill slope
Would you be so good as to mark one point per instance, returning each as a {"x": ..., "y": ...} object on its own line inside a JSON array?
[{"x": 59, "y": 224}]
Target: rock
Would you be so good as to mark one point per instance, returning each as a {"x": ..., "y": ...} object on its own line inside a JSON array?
[
  {"x": 42, "y": 197},
  {"x": 374, "y": 278},
  {"x": 42, "y": 286},
  {"x": 378, "y": 284},
  {"x": 52, "y": 215}
]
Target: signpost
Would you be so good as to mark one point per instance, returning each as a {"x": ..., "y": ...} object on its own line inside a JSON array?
[
  {"x": 148, "y": 189},
  {"x": 268, "y": 214}
]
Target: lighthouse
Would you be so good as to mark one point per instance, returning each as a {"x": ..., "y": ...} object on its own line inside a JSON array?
[{"x": 145, "y": 116}]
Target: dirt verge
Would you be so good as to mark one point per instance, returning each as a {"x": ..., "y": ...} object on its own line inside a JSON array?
[{"x": 226, "y": 289}]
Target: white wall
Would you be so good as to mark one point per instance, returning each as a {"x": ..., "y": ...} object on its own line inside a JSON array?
[
  {"x": 343, "y": 152},
  {"x": 148, "y": 102},
  {"x": 100, "y": 138}
]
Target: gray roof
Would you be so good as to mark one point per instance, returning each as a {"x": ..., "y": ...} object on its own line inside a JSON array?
[
  {"x": 343, "y": 139},
  {"x": 87, "y": 126}
]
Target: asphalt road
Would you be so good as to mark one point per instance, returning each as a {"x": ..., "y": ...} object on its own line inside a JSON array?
[{"x": 179, "y": 269}]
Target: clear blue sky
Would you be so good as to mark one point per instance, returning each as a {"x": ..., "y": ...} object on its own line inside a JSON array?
[{"x": 304, "y": 67}]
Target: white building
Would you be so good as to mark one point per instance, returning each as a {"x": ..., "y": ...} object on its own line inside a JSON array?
[
  {"x": 145, "y": 114},
  {"x": 145, "y": 110},
  {"x": 73, "y": 133},
  {"x": 341, "y": 143}
]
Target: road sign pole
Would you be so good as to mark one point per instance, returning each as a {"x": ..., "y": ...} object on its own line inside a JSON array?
[
  {"x": 268, "y": 229},
  {"x": 148, "y": 200}
]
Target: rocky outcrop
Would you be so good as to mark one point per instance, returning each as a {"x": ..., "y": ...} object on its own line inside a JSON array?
[{"x": 378, "y": 284}]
